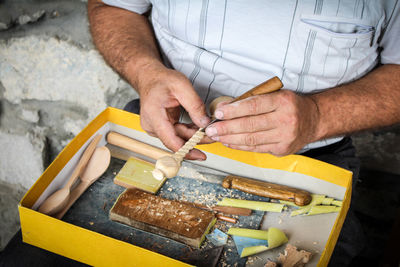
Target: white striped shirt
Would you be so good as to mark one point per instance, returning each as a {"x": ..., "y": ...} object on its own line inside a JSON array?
[{"x": 227, "y": 47}]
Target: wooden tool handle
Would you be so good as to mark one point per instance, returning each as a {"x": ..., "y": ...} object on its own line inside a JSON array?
[
  {"x": 226, "y": 218},
  {"x": 232, "y": 210},
  {"x": 223, "y": 209},
  {"x": 266, "y": 189},
  {"x": 83, "y": 161},
  {"x": 136, "y": 146},
  {"x": 269, "y": 86},
  {"x": 213, "y": 105}
]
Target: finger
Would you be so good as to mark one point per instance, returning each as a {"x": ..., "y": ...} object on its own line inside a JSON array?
[
  {"x": 193, "y": 104},
  {"x": 250, "y": 139},
  {"x": 187, "y": 131},
  {"x": 223, "y": 103},
  {"x": 248, "y": 124},
  {"x": 259, "y": 148},
  {"x": 196, "y": 154},
  {"x": 277, "y": 149},
  {"x": 147, "y": 127},
  {"x": 173, "y": 114},
  {"x": 270, "y": 149},
  {"x": 151, "y": 134},
  {"x": 254, "y": 105},
  {"x": 165, "y": 131},
  {"x": 217, "y": 102}
]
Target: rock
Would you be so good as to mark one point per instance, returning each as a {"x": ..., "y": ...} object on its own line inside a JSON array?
[
  {"x": 49, "y": 69},
  {"x": 23, "y": 19},
  {"x": 30, "y": 115},
  {"x": 10, "y": 195},
  {"x": 5, "y": 19},
  {"x": 38, "y": 15},
  {"x": 21, "y": 160},
  {"x": 54, "y": 14},
  {"x": 4, "y": 26}
]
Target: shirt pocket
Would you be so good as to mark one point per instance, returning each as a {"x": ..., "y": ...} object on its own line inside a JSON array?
[
  {"x": 340, "y": 27},
  {"x": 329, "y": 51}
]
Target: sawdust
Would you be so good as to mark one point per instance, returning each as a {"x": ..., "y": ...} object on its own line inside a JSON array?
[{"x": 191, "y": 173}]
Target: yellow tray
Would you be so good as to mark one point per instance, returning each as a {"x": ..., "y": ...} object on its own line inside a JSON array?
[{"x": 96, "y": 249}]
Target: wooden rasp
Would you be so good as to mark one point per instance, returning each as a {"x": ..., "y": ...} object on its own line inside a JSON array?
[{"x": 266, "y": 189}]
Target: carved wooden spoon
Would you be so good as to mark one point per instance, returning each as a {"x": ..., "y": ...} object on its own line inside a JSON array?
[
  {"x": 97, "y": 165},
  {"x": 59, "y": 199}
]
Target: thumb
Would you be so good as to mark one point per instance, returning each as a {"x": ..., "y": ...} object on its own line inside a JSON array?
[{"x": 193, "y": 104}]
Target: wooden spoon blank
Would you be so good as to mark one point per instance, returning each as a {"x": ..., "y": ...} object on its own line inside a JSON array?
[
  {"x": 55, "y": 202},
  {"x": 97, "y": 165},
  {"x": 83, "y": 161}
]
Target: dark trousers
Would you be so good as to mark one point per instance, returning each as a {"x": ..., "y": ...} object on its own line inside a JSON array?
[
  {"x": 352, "y": 238},
  {"x": 349, "y": 245}
]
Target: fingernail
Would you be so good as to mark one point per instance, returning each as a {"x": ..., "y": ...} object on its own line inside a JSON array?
[
  {"x": 204, "y": 121},
  {"x": 210, "y": 131},
  {"x": 226, "y": 145},
  {"x": 215, "y": 138},
  {"x": 219, "y": 114}
]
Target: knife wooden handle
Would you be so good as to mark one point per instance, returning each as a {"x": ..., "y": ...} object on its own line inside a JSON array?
[
  {"x": 269, "y": 86},
  {"x": 266, "y": 189}
]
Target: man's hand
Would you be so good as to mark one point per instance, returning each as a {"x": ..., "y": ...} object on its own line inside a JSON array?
[
  {"x": 127, "y": 42},
  {"x": 162, "y": 92},
  {"x": 279, "y": 123}
]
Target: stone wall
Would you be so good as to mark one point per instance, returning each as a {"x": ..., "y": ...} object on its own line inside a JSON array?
[{"x": 53, "y": 82}]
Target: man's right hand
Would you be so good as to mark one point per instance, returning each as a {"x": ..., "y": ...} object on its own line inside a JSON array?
[
  {"x": 162, "y": 92},
  {"x": 127, "y": 42}
]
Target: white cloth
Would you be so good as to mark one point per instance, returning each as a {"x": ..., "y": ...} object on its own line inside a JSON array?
[{"x": 227, "y": 47}]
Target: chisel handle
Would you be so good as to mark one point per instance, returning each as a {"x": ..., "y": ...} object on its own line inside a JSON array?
[
  {"x": 269, "y": 86},
  {"x": 266, "y": 189}
]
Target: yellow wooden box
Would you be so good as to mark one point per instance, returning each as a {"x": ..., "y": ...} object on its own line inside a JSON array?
[{"x": 99, "y": 250}]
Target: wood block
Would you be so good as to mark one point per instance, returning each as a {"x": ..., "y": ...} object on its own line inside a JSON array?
[
  {"x": 137, "y": 173},
  {"x": 170, "y": 218}
]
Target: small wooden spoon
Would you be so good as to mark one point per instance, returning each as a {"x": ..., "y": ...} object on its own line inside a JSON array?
[
  {"x": 59, "y": 199},
  {"x": 97, "y": 165}
]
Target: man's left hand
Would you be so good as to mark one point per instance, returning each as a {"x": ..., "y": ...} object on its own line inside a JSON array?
[{"x": 279, "y": 123}]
